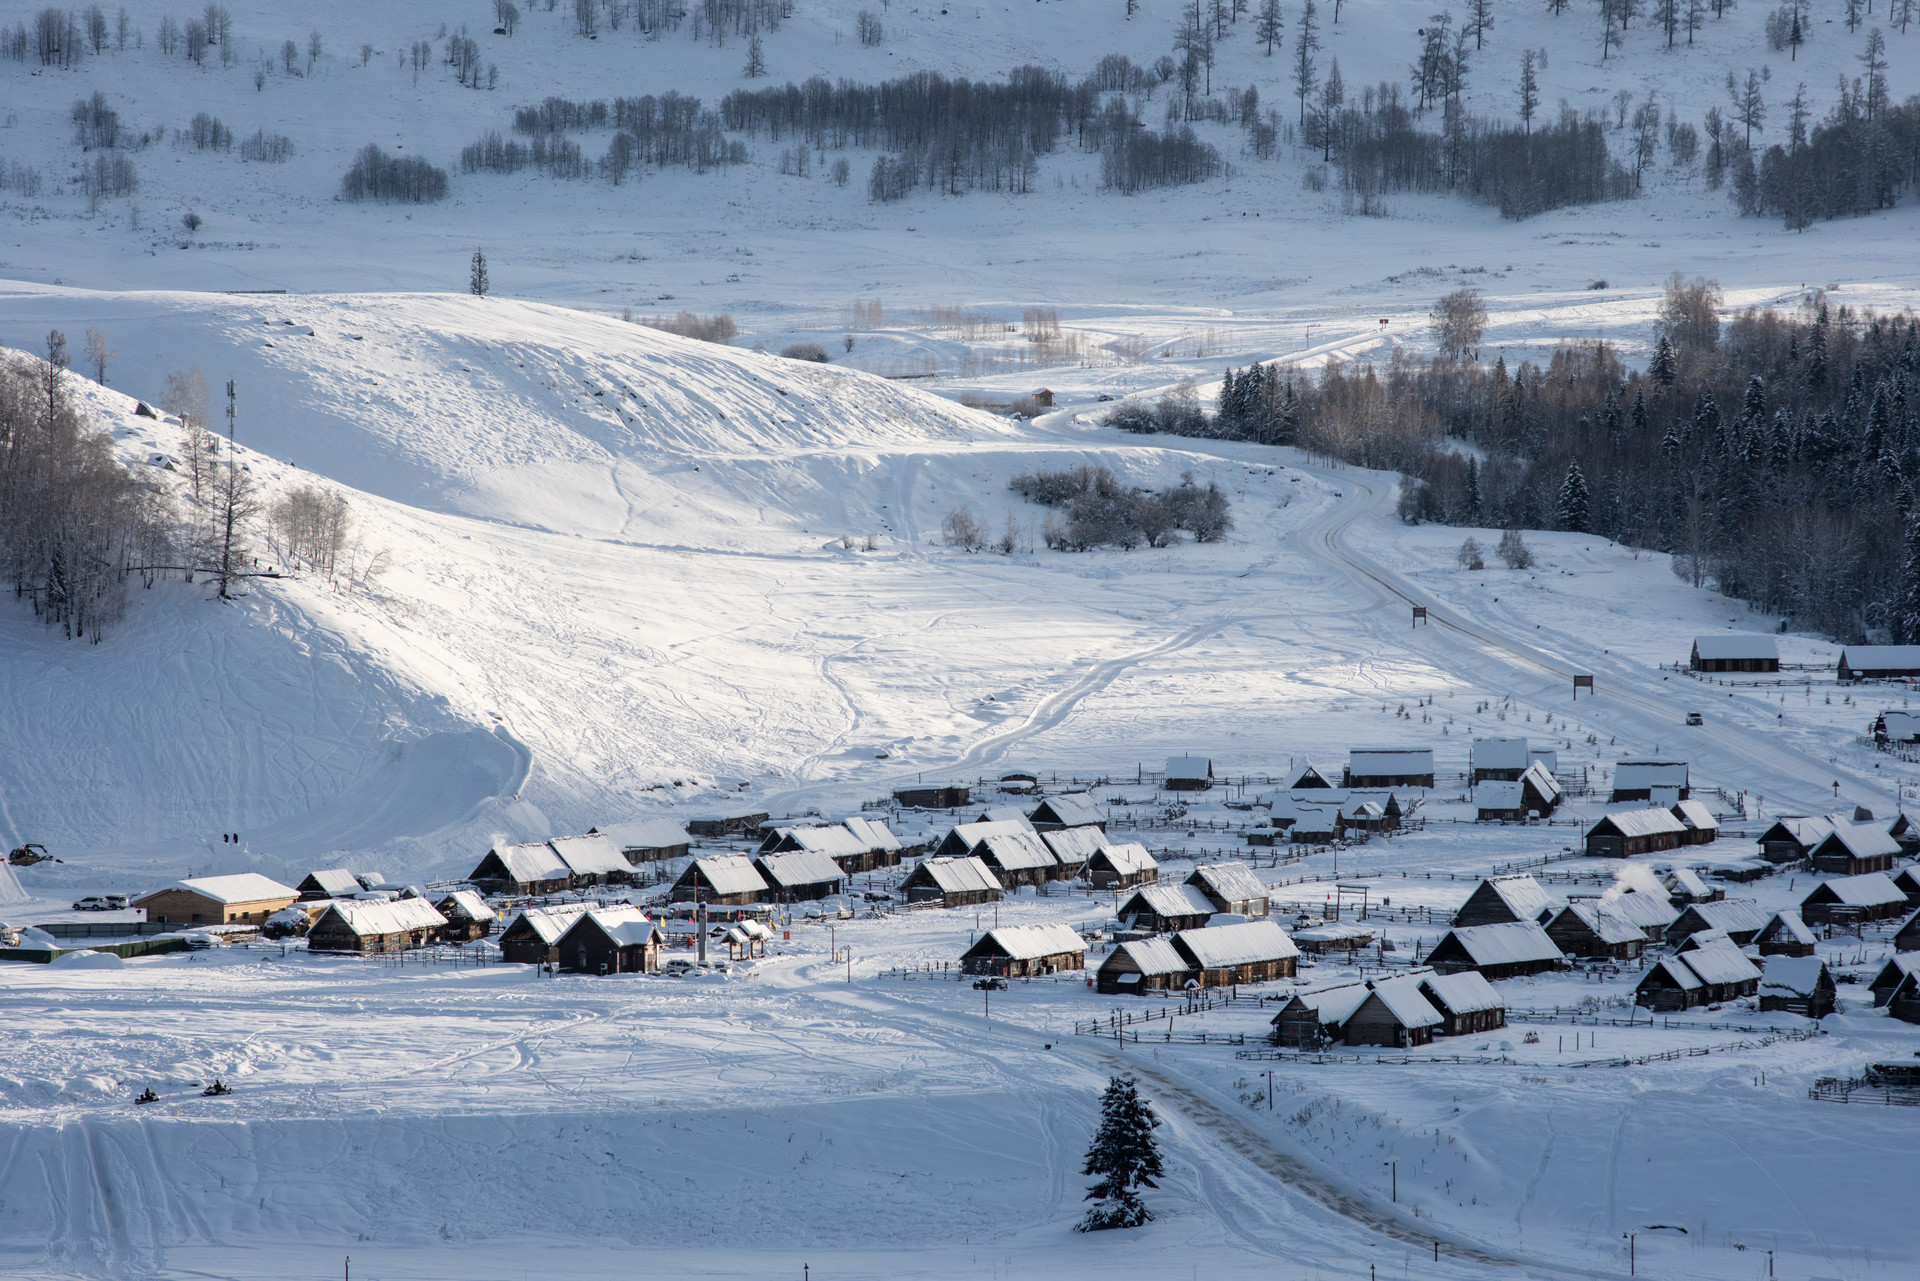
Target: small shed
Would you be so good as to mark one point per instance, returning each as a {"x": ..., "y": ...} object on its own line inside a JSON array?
[
  {"x": 1231, "y": 887},
  {"x": 372, "y": 925},
  {"x": 1849, "y": 899},
  {"x": 727, "y": 879},
  {"x": 1018, "y": 858},
  {"x": 1497, "y": 951},
  {"x": 1143, "y": 965},
  {"x": 1160, "y": 909},
  {"x": 1792, "y": 838},
  {"x": 532, "y": 868},
  {"x": 1685, "y": 885},
  {"x": 1702, "y": 827},
  {"x": 1335, "y": 936},
  {"x": 932, "y": 798},
  {"x": 964, "y": 838},
  {"x": 1396, "y": 1013},
  {"x": 797, "y": 876},
  {"x": 1314, "y": 1020},
  {"x": 1072, "y": 847},
  {"x": 1661, "y": 781},
  {"x": 1896, "y": 727},
  {"x": 532, "y": 936},
  {"x": 592, "y": 859},
  {"x": 330, "y": 882},
  {"x": 1735, "y": 652},
  {"x": 1785, "y": 934},
  {"x": 1670, "y": 985},
  {"x": 1625, "y": 833},
  {"x": 1501, "y": 900},
  {"x": 1466, "y": 1001},
  {"x": 1898, "y": 966},
  {"x": 1020, "y": 951},
  {"x": 1249, "y": 952},
  {"x": 1798, "y": 985},
  {"x": 1119, "y": 867},
  {"x": 244, "y": 898},
  {"x": 1390, "y": 767},
  {"x": 1189, "y": 774},
  {"x": 1742, "y": 920},
  {"x": 1072, "y": 809},
  {"x": 611, "y": 940},
  {"x": 951, "y": 882},
  {"x": 468, "y": 916},
  {"x": 728, "y": 824},
  {"x": 1878, "y": 662},
  {"x": 1854, "y": 849},
  {"x": 1587, "y": 929},
  {"x": 647, "y": 840}
]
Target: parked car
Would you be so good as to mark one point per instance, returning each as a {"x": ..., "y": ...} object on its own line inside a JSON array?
[
  {"x": 679, "y": 967},
  {"x": 102, "y": 903},
  {"x": 1694, "y": 718}
]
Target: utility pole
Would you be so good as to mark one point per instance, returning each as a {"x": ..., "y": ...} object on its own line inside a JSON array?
[
  {"x": 233, "y": 479},
  {"x": 1395, "y": 1167},
  {"x": 1633, "y": 1241}
]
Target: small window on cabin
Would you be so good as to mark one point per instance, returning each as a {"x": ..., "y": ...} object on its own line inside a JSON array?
[{"x": 196, "y": 916}]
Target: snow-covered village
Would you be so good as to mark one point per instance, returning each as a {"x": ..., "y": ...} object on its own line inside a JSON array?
[{"x": 872, "y": 640}]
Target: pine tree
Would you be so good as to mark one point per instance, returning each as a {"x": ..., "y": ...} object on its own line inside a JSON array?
[
  {"x": 1706, "y": 418},
  {"x": 1640, "y": 423},
  {"x": 1125, "y": 1156},
  {"x": 1574, "y": 516},
  {"x": 477, "y": 282},
  {"x": 1662, "y": 368},
  {"x": 1670, "y": 443},
  {"x": 1473, "y": 491},
  {"x": 1906, "y": 615}
]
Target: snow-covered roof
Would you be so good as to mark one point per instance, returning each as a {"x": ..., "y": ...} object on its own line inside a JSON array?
[
  {"x": 240, "y": 887},
  {"x": 623, "y": 923},
  {"x": 960, "y": 875},
  {"x": 1232, "y": 882},
  {"x": 1362, "y": 810},
  {"x": 1720, "y": 962},
  {"x": 1499, "y": 794},
  {"x": 1523, "y": 895},
  {"x": 1499, "y": 753},
  {"x": 800, "y": 867},
  {"x": 1696, "y": 815},
  {"x": 1219, "y": 946},
  {"x": 1189, "y": 767},
  {"x": 1030, "y": 942},
  {"x": 1901, "y": 726},
  {"x": 1151, "y": 956},
  {"x": 1634, "y": 775},
  {"x": 973, "y": 833},
  {"x": 1542, "y": 778},
  {"x": 535, "y": 861},
  {"x": 1791, "y": 975},
  {"x": 1167, "y": 900},
  {"x": 1467, "y": 992},
  {"x": 646, "y": 834},
  {"x": 1075, "y": 809},
  {"x": 1875, "y": 889},
  {"x": 1373, "y": 761},
  {"x": 1315, "y": 818},
  {"x": 1652, "y": 821},
  {"x": 549, "y": 923},
  {"x": 1333, "y": 932},
  {"x": 1676, "y": 970},
  {"x": 335, "y": 882},
  {"x": 1130, "y": 857},
  {"x": 1507, "y": 943},
  {"x": 1735, "y": 645},
  {"x": 1016, "y": 852},
  {"x": 1008, "y": 814},
  {"x": 590, "y": 855},
  {"x": 1807, "y": 830},
  {"x": 1684, "y": 880},
  {"x": 1791, "y": 925},
  {"x": 1404, "y": 1000},
  {"x": 396, "y": 916},
  {"x": 836, "y": 839},
  {"x": 872, "y": 833},
  {"x": 1737, "y": 915},
  {"x": 472, "y": 906},
  {"x": 731, "y": 874},
  {"x": 1862, "y": 840},
  {"x": 1608, "y": 925},
  {"x": 1880, "y": 658},
  {"x": 1074, "y": 845},
  {"x": 1645, "y": 910},
  {"x": 1308, "y": 769},
  {"x": 1335, "y": 1005}
]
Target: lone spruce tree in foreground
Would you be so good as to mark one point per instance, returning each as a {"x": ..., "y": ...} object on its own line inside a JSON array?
[
  {"x": 1125, "y": 1156},
  {"x": 477, "y": 282}
]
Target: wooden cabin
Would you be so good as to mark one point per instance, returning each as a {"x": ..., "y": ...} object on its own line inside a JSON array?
[
  {"x": 520, "y": 870},
  {"x": 1021, "y": 951},
  {"x": 1071, "y": 848},
  {"x": 1735, "y": 652},
  {"x": 1898, "y": 966},
  {"x": 1662, "y": 782},
  {"x": 647, "y": 840},
  {"x": 1310, "y": 777},
  {"x": 1074, "y": 809},
  {"x": 1315, "y": 1020},
  {"x": 1315, "y": 825},
  {"x": 244, "y": 898},
  {"x": 1702, "y": 827},
  {"x": 592, "y": 859},
  {"x": 963, "y": 839},
  {"x": 1497, "y": 760},
  {"x": 468, "y": 916},
  {"x": 1466, "y": 1001},
  {"x": 1798, "y": 985},
  {"x": 533, "y": 934},
  {"x": 1668, "y": 986},
  {"x": 798, "y": 876},
  {"x": 1143, "y": 965},
  {"x": 331, "y": 882},
  {"x": 1903, "y": 1002},
  {"x": 1188, "y": 774},
  {"x": 1502, "y": 900},
  {"x": 1878, "y": 662},
  {"x": 1724, "y": 970},
  {"x": 1785, "y": 934},
  {"x": 1250, "y": 952},
  {"x": 1161, "y": 909},
  {"x": 1907, "y": 881},
  {"x": 952, "y": 882},
  {"x": 1496, "y": 951},
  {"x": 1119, "y": 867},
  {"x": 1792, "y": 839},
  {"x": 1907, "y": 937},
  {"x": 375, "y": 925},
  {"x": 1390, "y": 767},
  {"x": 727, "y": 879},
  {"x": 1849, "y": 900},
  {"x": 1333, "y": 937},
  {"x": 1741, "y": 919},
  {"x": 1855, "y": 849},
  {"x": 1534, "y": 793},
  {"x": 1625, "y": 833},
  {"x": 1018, "y": 858},
  {"x": 1684, "y": 885},
  {"x": 835, "y": 842},
  {"x": 932, "y": 798},
  {"x": 1231, "y": 887},
  {"x": 729, "y": 824},
  {"x": 882, "y": 846},
  {"x": 1588, "y": 930},
  {"x": 611, "y": 940},
  {"x": 1395, "y": 1013},
  {"x": 1654, "y": 913}
]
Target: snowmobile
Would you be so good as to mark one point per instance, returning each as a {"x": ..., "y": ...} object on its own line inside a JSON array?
[
  {"x": 217, "y": 1089},
  {"x": 146, "y": 1096}
]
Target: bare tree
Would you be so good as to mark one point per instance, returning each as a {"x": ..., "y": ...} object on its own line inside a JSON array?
[
  {"x": 97, "y": 354},
  {"x": 1268, "y": 26},
  {"x": 187, "y": 398},
  {"x": 1690, "y": 312},
  {"x": 313, "y": 50},
  {"x": 289, "y": 55},
  {"x": 1459, "y": 319},
  {"x": 1529, "y": 91},
  {"x": 959, "y": 528},
  {"x": 1749, "y": 107},
  {"x": 1305, "y": 42}
]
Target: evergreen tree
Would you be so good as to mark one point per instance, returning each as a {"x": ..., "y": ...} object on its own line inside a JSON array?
[
  {"x": 1662, "y": 368},
  {"x": 1610, "y": 417},
  {"x": 1574, "y": 514},
  {"x": 1640, "y": 423},
  {"x": 1706, "y": 418},
  {"x": 1670, "y": 443},
  {"x": 1906, "y": 614},
  {"x": 1125, "y": 1156},
  {"x": 1473, "y": 491},
  {"x": 477, "y": 282}
]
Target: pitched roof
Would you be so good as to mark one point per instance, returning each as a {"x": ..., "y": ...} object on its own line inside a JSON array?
[
  {"x": 1404, "y": 1000},
  {"x": 1315, "y": 818},
  {"x": 1882, "y": 658},
  {"x": 624, "y": 924},
  {"x": 1467, "y": 992},
  {"x": 1720, "y": 962},
  {"x": 1008, "y": 814},
  {"x": 240, "y": 887},
  {"x": 1016, "y": 852},
  {"x": 1791, "y": 975},
  {"x": 1609, "y": 926},
  {"x": 1733, "y": 914},
  {"x": 1523, "y": 895},
  {"x": 1030, "y": 942},
  {"x": 1308, "y": 770},
  {"x": 1652, "y": 821},
  {"x": 959, "y": 875},
  {"x": 1250, "y": 942},
  {"x": 1861, "y": 840},
  {"x": 1696, "y": 815},
  {"x": 1684, "y": 880},
  {"x": 799, "y": 867},
  {"x": 535, "y": 861},
  {"x": 1128, "y": 858},
  {"x": 1230, "y": 881},
  {"x": 729, "y": 874},
  {"x": 1807, "y": 830},
  {"x": 590, "y": 855},
  {"x": 1151, "y": 956},
  {"x": 335, "y": 882},
  {"x": 1167, "y": 900},
  {"x": 1632, "y": 775},
  {"x": 1789, "y": 924},
  {"x": 1390, "y": 760},
  {"x": 1188, "y": 767},
  {"x": 1874, "y": 889},
  {"x": 646, "y": 834},
  {"x": 393, "y": 916},
  {"x": 1499, "y": 794},
  {"x": 1074, "y": 845},
  {"x": 1334, "y": 1004},
  {"x": 973, "y": 833},
  {"x": 1676, "y": 971},
  {"x": 1508, "y": 943},
  {"x": 828, "y": 840},
  {"x": 548, "y": 923},
  {"x": 873, "y": 833},
  {"x": 1075, "y": 809},
  {"x": 471, "y": 905},
  {"x": 1499, "y": 753},
  {"x": 1901, "y": 725},
  {"x": 1644, "y": 910},
  {"x": 1735, "y": 645}
]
